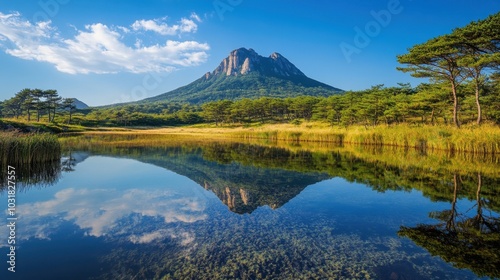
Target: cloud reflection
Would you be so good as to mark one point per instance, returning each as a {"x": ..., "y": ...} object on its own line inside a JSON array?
[
  {"x": 99, "y": 211},
  {"x": 186, "y": 238}
]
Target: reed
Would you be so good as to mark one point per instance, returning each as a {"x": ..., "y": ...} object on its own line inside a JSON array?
[
  {"x": 482, "y": 140},
  {"x": 24, "y": 149}
]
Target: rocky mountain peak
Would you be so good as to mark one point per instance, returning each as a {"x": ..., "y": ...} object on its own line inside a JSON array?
[
  {"x": 244, "y": 61},
  {"x": 275, "y": 55}
]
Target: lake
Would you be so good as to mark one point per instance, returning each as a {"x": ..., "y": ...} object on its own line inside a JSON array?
[{"x": 256, "y": 211}]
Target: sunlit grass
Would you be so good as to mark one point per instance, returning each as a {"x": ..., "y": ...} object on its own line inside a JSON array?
[
  {"x": 472, "y": 139},
  {"x": 17, "y": 148},
  {"x": 42, "y": 125}
]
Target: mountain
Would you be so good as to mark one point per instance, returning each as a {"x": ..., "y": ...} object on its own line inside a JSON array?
[
  {"x": 79, "y": 104},
  {"x": 246, "y": 74}
]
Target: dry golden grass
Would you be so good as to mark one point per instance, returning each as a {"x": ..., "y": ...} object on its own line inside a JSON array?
[{"x": 474, "y": 139}]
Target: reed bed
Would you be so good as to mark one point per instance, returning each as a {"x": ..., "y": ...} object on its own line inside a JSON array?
[
  {"x": 24, "y": 149},
  {"x": 481, "y": 140}
]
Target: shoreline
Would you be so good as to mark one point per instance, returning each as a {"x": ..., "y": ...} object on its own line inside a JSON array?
[
  {"x": 474, "y": 139},
  {"x": 484, "y": 139}
]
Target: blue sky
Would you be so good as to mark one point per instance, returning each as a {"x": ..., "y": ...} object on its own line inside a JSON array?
[{"x": 112, "y": 51}]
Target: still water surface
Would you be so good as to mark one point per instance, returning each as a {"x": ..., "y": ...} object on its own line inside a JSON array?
[{"x": 219, "y": 212}]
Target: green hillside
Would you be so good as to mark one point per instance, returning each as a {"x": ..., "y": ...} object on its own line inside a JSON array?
[{"x": 248, "y": 86}]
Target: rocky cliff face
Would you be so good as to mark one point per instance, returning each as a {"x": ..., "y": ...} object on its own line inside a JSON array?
[{"x": 243, "y": 61}]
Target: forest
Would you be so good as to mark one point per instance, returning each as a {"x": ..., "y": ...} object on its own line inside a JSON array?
[{"x": 425, "y": 104}]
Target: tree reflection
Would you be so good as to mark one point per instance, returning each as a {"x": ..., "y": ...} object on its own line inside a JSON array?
[
  {"x": 471, "y": 242},
  {"x": 40, "y": 174},
  {"x": 252, "y": 175},
  {"x": 68, "y": 162}
]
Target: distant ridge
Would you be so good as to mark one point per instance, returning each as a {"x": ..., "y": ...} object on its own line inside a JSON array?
[
  {"x": 246, "y": 74},
  {"x": 79, "y": 104}
]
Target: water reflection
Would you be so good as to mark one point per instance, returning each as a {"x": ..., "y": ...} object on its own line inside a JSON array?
[
  {"x": 240, "y": 174},
  {"x": 34, "y": 160},
  {"x": 98, "y": 208},
  {"x": 245, "y": 211},
  {"x": 466, "y": 238},
  {"x": 241, "y": 178},
  {"x": 41, "y": 174}
]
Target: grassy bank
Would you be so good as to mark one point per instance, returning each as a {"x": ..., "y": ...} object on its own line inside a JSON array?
[
  {"x": 484, "y": 139},
  {"x": 50, "y": 127},
  {"x": 23, "y": 149},
  {"x": 473, "y": 139}
]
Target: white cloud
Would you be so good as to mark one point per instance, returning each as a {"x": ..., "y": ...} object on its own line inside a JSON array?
[
  {"x": 101, "y": 49},
  {"x": 159, "y": 26}
]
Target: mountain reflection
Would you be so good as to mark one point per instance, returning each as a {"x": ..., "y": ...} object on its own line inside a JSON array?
[
  {"x": 230, "y": 172},
  {"x": 246, "y": 176}
]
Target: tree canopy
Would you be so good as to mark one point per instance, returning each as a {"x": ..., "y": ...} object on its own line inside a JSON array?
[{"x": 467, "y": 53}]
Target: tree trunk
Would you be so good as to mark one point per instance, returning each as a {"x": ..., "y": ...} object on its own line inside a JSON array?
[
  {"x": 455, "y": 104},
  {"x": 479, "y": 113}
]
